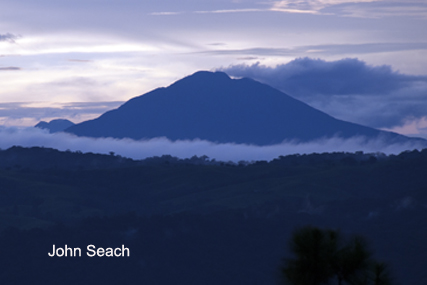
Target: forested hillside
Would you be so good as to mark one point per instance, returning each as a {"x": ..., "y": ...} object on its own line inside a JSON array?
[{"x": 202, "y": 221}]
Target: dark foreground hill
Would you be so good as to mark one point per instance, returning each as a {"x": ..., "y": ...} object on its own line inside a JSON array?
[
  {"x": 212, "y": 106},
  {"x": 197, "y": 221}
]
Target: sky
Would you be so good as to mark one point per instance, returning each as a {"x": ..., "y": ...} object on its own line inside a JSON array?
[{"x": 363, "y": 61}]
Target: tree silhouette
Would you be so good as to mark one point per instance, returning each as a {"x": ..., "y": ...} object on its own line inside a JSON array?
[
  {"x": 380, "y": 274},
  {"x": 325, "y": 257},
  {"x": 351, "y": 262},
  {"x": 314, "y": 249}
]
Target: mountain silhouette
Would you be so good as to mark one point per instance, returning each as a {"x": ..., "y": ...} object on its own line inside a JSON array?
[
  {"x": 212, "y": 106},
  {"x": 55, "y": 126}
]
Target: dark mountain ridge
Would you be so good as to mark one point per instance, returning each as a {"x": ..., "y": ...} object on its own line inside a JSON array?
[
  {"x": 212, "y": 106},
  {"x": 55, "y": 126}
]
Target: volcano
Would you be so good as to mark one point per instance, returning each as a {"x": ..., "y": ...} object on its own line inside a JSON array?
[{"x": 214, "y": 107}]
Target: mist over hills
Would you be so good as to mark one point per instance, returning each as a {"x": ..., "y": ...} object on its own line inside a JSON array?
[{"x": 211, "y": 106}]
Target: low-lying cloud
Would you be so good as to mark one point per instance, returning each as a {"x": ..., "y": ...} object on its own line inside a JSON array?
[{"x": 28, "y": 137}]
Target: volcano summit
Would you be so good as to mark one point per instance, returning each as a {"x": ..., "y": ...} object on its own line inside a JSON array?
[{"x": 212, "y": 106}]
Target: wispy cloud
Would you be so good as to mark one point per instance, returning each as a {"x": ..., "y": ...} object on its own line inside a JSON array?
[
  {"x": 165, "y": 13},
  {"x": 382, "y": 9},
  {"x": 248, "y": 58},
  {"x": 9, "y": 68},
  {"x": 80, "y": 60},
  {"x": 230, "y": 11},
  {"x": 217, "y": 44},
  {"x": 344, "y": 8},
  {"x": 185, "y": 149},
  {"x": 331, "y": 49},
  {"x": 354, "y": 8},
  {"x": 30, "y": 113},
  {"x": 219, "y": 11},
  {"x": 311, "y": 6}
]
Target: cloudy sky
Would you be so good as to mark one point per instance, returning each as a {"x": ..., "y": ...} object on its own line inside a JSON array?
[{"x": 363, "y": 60}]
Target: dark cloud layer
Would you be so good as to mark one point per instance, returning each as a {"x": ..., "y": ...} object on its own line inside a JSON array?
[
  {"x": 348, "y": 89},
  {"x": 306, "y": 76}
]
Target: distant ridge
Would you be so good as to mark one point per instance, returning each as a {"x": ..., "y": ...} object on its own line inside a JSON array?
[
  {"x": 212, "y": 106},
  {"x": 55, "y": 126}
]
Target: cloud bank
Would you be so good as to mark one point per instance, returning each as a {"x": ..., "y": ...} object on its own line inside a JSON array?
[
  {"x": 28, "y": 137},
  {"x": 349, "y": 76},
  {"x": 376, "y": 96}
]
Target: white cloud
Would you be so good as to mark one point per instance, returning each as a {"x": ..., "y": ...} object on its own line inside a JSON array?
[
  {"x": 231, "y": 11},
  {"x": 354, "y": 8},
  {"x": 29, "y": 137},
  {"x": 165, "y": 13}
]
